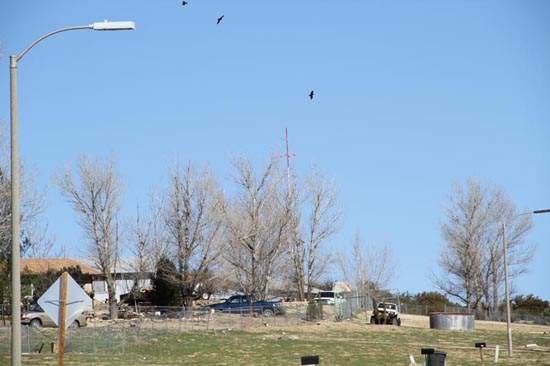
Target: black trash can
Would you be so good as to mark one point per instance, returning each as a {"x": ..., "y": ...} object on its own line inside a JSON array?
[
  {"x": 310, "y": 360},
  {"x": 437, "y": 358}
]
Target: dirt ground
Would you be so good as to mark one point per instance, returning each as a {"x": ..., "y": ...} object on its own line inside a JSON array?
[
  {"x": 421, "y": 321},
  {"x": 409, "y": 321}
]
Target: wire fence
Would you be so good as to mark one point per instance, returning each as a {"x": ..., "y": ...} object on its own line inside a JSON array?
[
  {"x": 5, "y": 312},
  {"x": 112, "y": 337},
  {"x": 415, "y": 309},
  {"x": 141, "y": 324},
  {"x": 499, "y": 316},
  {"x": 30, "y": 338},
  {"x": 353, "y": 306}
]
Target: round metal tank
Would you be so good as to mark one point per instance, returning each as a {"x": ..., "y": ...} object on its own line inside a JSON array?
[{"x": 452, "y": 321}]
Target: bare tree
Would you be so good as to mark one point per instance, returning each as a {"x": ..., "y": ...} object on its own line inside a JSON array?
[
  {"x": 96, "y": 199},
  {"x": 314, "y": 217},
  {"x": 296, "y": 250},
  {"x": 471, "y": 258},
  {"x": 194, "y": 222},
  {"x": 5, "y": 233},
  {"x": 154, "y": 226},
  {"x": 32, "y": 205},
  {"x": 42, "y": 244},
  {"x": 368, "y": 267},
  {"x": 140, "y": 241},
  {"x": 322, "y": 223},
  {"x": 257, "y": 222}
]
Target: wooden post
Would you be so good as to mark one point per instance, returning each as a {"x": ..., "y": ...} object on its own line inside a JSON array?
[
  {"x": 62, "y": 316},
  {"x": 481, "y": 346},
  {"x": 481, "y": 354}
]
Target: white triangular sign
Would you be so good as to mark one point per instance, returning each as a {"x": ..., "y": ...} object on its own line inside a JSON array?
[{"x": 77, "y": 301}]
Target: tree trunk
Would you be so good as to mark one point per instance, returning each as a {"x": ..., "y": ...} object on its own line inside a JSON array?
[{"x": 111, "y": 291}]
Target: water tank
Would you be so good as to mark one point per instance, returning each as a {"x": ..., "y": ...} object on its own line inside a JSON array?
[{"x": 452, "y": 321}]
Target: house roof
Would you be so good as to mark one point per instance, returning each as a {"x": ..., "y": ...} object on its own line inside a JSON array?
[
  {"x": 123, "y": 265},
  {"x": 42, "y": 265}
]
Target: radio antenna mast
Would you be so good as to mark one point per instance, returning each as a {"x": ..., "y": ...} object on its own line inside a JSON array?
[{"x": 288, "y": 156}]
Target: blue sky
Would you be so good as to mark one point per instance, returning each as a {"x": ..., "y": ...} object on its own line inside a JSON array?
[{"x": 411, "y": 97}]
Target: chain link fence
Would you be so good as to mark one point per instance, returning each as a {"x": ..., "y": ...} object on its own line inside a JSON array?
[
  {"x": 499, "y": 316},
  {"x": 132, "y": 327},
  {"x": 356, "y": 306},
  {"x": 31, "y": 339},
  {"x": 141, "y": 324}
]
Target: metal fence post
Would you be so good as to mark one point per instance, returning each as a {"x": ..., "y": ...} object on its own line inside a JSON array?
[
  {"x": 123, "y": 336},
  {"x": 93, "y": 337},
  {"x": 109, "y": 339},
  {"x": 28, "y": 340}
]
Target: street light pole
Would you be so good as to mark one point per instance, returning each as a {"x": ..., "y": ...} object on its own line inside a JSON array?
[
  {"x": 507, "y": 288},
  {"x": 15, "y": 211},
  {"x": 15, "y": 234}
]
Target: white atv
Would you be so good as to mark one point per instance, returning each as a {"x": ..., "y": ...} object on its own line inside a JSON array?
[{"x": 386, "y": 313}]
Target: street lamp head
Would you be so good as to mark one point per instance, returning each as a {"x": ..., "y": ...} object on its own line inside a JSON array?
[
  {"x": 104, "y": 26},
  {"x": 541, "y": 211}
]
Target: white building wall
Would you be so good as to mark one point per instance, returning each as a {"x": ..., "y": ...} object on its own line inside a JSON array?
[{"x": 121, "y": 287}]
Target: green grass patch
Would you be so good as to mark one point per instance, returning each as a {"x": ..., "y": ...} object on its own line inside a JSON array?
[{"x": 342, "y": 343}]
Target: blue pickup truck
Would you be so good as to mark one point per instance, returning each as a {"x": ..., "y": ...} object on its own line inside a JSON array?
[{"x": 237, "y": 304}]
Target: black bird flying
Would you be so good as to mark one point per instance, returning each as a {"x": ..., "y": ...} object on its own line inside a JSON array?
[
  {"x": 219, "y": 19},
  {"x": 184, "y": 3},
  {"x": 311, "y": 95}
]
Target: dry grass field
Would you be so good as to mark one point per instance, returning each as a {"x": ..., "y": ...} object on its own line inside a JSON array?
[{"x": 350, "y": 343}]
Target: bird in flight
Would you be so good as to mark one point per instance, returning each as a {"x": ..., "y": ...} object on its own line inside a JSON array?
[
  {"x": 311, "y": 95},
  {"x": 184, "y": 2},
  {"x": 219, "y": 19}
]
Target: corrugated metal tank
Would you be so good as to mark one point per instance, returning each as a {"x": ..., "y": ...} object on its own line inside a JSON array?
[{"x": 452, "y": 321}]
